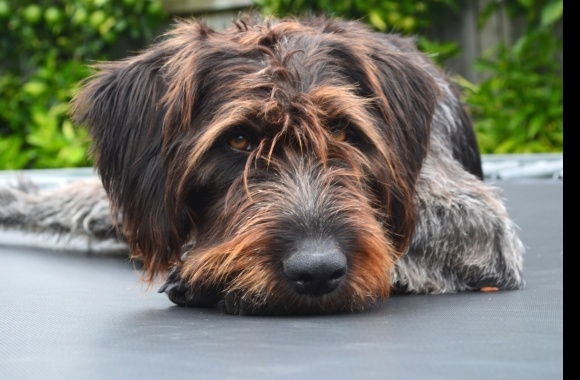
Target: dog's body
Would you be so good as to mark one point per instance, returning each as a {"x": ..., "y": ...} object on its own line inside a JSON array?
[{"x": 284, "y": 167}]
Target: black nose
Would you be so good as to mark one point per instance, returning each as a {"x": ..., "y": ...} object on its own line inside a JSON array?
[{"x": 316, "y": 267}]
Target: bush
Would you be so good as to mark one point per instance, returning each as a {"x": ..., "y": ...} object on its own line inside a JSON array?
[
  {"x": 46, "y": 46},
  {"x": 519, "y": 108}
]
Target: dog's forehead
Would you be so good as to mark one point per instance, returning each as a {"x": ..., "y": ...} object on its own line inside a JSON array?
[
  {"x": 289, "y": 55},
  {"x": 307, "y": 75},
  {"x": 303, "y": 60}
]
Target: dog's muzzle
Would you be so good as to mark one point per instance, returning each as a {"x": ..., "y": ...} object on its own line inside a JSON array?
[{"x": 316, "y": 267}]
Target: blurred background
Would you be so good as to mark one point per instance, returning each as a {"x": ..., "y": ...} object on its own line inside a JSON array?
[{"x": 506, "y": 54}]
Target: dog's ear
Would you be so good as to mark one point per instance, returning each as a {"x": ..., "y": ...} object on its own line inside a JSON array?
[
  {"x": 411, "y": 94},
  {"x": 408, "y": 96},
  {"x": 121, "y": 106},
  {"x": 136, "y": 109}
]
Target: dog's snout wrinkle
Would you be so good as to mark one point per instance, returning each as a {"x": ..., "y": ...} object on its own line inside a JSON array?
[{"x": 316, "y": 267}]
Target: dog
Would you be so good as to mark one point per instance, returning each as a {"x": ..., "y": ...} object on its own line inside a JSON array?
[{"x": 292, "y": 166}]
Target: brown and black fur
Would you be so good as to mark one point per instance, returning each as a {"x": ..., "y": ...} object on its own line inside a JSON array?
[{"x": 291, "y": 166}]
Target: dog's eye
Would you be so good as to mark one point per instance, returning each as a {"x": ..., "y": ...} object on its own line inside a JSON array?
[
  {"x": 241, "y": 142},
  {"x": 339, "y": 134},
  {"x": 340, "y": 130}
]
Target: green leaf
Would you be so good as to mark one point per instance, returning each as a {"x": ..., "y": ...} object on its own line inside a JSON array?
[
  {"x": 506, "y": 146},
  {"x": 537, "y": 124},
  {"x": 10, "y": 155},
  {"x": 34, "y": 88},
  {"x": 485, "y": 65},
  {"x": 72, "y": 155},
  {"x": 377, "y": 21},
  {"x": 526, "y": 3},
  {"x": 68, "y": 131},
  {"x": 552, "y": 12}
]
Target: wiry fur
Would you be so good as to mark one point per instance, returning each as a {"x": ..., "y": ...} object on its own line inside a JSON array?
[{"x": 361, "y": 157}]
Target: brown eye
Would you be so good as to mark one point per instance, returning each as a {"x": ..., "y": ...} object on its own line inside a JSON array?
[
  {"x": 240, "y": 142},
  {"x": 339, "y": 134}
]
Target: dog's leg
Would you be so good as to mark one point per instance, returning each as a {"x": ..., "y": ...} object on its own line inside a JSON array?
[
  {"x": 80, "y": 208},
  {"x": 464, "y": 238}
]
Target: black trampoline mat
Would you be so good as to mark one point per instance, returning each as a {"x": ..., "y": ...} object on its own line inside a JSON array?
[{"x": 71, "y": 316}]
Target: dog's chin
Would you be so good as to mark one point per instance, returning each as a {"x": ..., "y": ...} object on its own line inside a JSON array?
[
  {"x": 301, "y": 305},
  {"x": 236, "y": 305}
]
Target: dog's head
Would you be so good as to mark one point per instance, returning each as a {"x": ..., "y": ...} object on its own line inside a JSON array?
[{"x": 275, "y": 160}]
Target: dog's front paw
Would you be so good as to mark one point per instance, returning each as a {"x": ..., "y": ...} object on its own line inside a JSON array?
[{"x": 183, "y": 295}]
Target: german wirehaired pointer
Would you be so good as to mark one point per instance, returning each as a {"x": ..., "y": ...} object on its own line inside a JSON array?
[{"x": 283, "y": 167}]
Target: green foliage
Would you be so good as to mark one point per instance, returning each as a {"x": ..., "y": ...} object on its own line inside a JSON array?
[
  {"x": 45, "y": 46},
  {"x": 403, "y": 15},
  {"x": 519, "y": 106}
]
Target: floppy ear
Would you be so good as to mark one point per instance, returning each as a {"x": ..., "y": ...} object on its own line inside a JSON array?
[
  {"x": 408, "y": 95},
  {"x": 411, "y": 94},
  {"x": 121, "y": 106}
]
